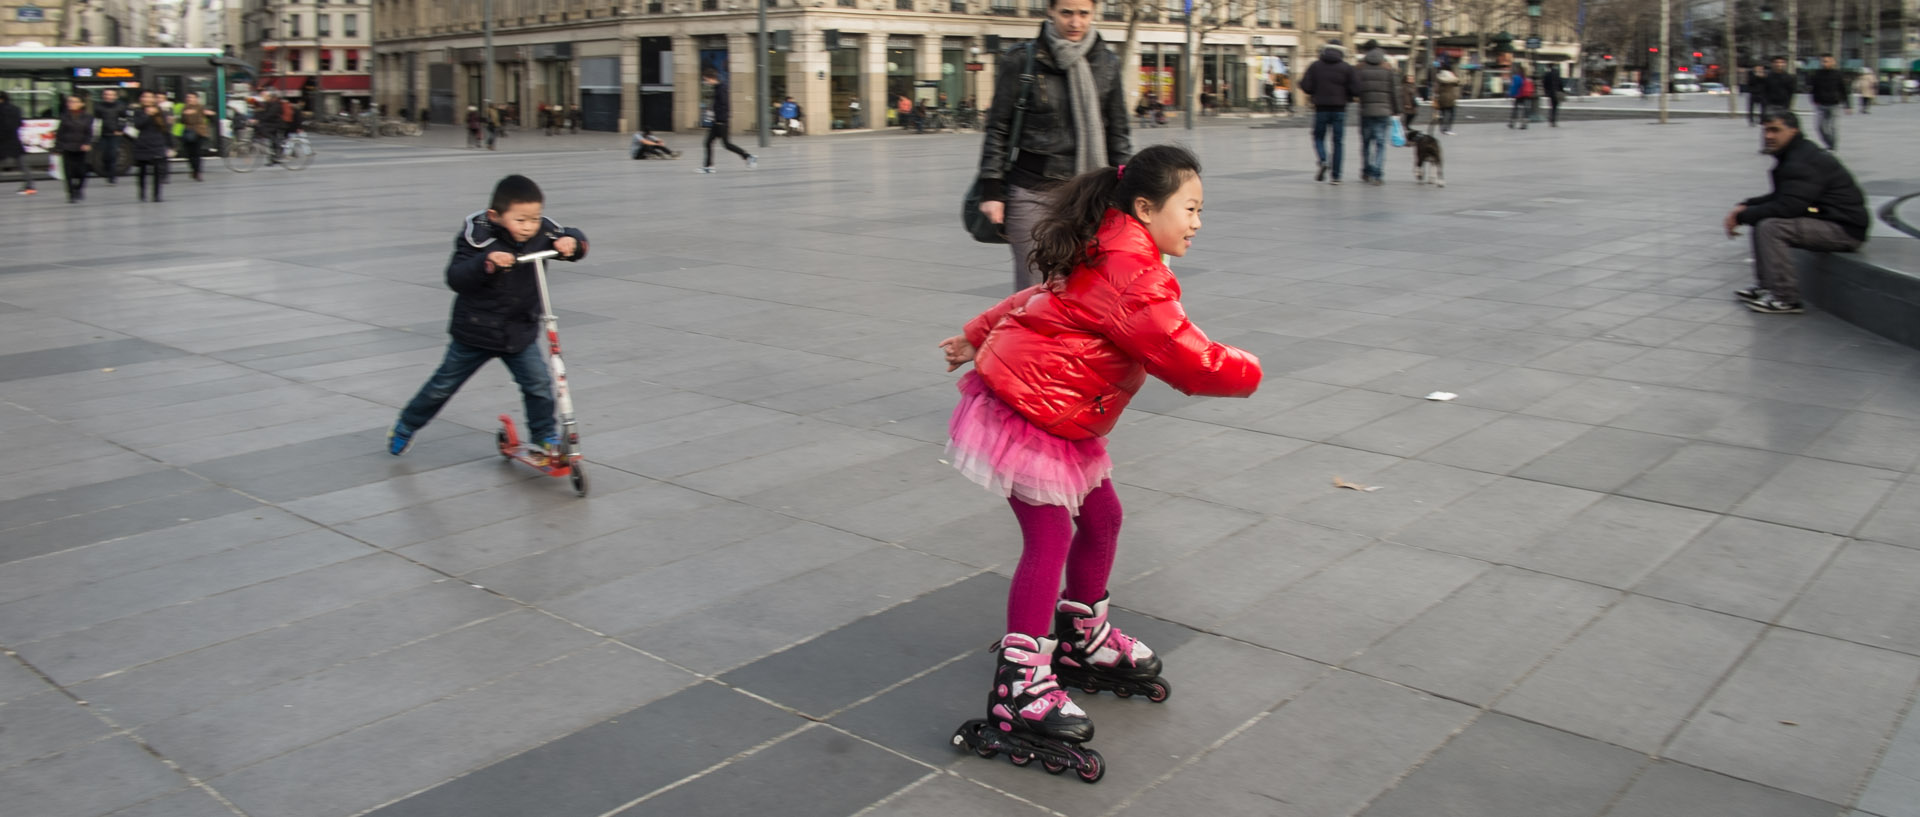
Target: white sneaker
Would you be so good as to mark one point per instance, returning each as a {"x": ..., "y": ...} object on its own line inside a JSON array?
[
  {"x": 753, "y": 162},
  {"x": 703, "y": 170}
]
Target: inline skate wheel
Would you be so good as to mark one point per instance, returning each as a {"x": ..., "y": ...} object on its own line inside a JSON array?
[
  {"x": 1095, "y": 767},
  {"x": 1019, "y": 758},
  {"x": 1052, "y": 767},
  {"x": 1160, "y": 690},
  {"x": 1122, "y": 692}
]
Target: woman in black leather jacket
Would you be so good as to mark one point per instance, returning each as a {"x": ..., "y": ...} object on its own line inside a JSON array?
[
  {"x": 73, "y": 138},
  {"x": 1076, "y": 121}
]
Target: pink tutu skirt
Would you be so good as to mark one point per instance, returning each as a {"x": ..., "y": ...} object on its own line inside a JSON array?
[{"x": 1002, "y": 451}]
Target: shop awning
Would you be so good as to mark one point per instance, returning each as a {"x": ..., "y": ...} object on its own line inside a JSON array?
[
  {"x": 285, "y": 82},
  {"x": 347, "y": 82}
]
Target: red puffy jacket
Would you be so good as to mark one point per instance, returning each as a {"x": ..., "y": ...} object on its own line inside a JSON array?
[{"x": 1070, "y": 354}]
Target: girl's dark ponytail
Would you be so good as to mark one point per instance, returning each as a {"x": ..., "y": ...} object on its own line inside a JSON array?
[{"x": 1063, "y": 238}]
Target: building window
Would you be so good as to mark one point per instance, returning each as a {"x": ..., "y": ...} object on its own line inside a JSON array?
[
  {"x": 293, "y": 60},
  {"x": 1037, "y": 8},
  {"x": 957, "y": 6},
  {"x": 709, "y": 5},
  {"x": 1263, "y": 15},
  {"x": 1110, "y": 10},
  {"x": 323, "y": 24},
  {"x": 353, "y": 59},
  {"x": 293, "y": 25},
  {"x": 351, "y": 25},
  {"x": 1329, "y": 17},
  {"x": 903, "y": 5},
  {"x": 1285, "y": 7},
  {"x": 326, "y": 60},
  {"x": 1003, "y": 8},
  {"x": 654, "y": 7}
]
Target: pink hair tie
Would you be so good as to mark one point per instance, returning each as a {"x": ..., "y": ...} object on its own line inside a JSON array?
[{"x": 1120, "y": 172}]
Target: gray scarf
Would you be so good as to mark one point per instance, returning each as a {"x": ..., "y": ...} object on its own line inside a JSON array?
[{"x": 1090, "y": 134}]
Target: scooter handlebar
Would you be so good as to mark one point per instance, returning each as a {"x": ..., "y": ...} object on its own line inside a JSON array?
[{"x": 537, "y": 256}]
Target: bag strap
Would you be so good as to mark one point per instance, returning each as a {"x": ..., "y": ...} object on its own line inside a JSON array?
[{"x": 1020, "y": 110}]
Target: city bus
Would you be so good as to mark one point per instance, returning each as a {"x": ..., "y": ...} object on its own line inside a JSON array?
[{"x": 38, "y": 79}]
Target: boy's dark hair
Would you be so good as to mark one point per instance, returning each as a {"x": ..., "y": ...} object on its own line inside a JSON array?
[
  {"x": 1064, "y": 238},
  {"x": 515, "y": 189}
]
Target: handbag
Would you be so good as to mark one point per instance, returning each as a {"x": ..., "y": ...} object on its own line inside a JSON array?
[
  {"x": 978, "y": 225},
  {"x": 1399, "y": 133}
]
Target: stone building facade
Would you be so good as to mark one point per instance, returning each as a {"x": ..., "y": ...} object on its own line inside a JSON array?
[{"x": 636, "y": 63}]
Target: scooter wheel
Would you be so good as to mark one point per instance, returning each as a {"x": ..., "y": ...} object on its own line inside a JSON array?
[
  {"x": 500, "y": 441},
  {"x": 579, "y": 480}
]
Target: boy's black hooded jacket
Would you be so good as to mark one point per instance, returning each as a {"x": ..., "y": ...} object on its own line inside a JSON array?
[{"x": 499, "y": 311}]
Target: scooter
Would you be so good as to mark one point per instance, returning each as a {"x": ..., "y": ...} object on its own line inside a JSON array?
[{"x": 566, "y": 462}]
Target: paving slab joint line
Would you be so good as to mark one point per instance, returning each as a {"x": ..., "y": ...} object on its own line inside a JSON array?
[
  {"x": 1195, "y": 756},
  {"x": 129, "y": 504},
  {"x": 953, "y": 773},
  {"x": 1886, "y": 745},
  {"x": 736, "y": 757}
]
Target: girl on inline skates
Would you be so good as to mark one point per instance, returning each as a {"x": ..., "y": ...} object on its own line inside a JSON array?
[{"x": 1055, "y": 364}]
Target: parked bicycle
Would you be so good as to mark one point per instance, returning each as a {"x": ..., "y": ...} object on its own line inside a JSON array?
[{"x": 249, "y": 149}]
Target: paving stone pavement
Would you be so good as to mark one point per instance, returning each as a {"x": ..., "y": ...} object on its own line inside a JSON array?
[{"x": 1658, "y": 558}]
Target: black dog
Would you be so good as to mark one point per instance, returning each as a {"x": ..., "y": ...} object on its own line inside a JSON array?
[{"x": 1426, "y": 151}]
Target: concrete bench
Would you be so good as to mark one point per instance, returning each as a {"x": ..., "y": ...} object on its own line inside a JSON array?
[{"x": 1876, "y": 288}]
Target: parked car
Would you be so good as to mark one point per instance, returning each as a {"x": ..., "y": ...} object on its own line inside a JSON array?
[
  {"x": 1625, "y": 89},
  {"x": 1713, "y": 88},
  {"x": 1686, "y": 86}
]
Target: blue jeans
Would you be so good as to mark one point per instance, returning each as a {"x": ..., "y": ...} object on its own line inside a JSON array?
[
  {"x": 1335, "y": 121},
  {"x": 529, "y": 368},
  {"x": 1373, "y": 146}
]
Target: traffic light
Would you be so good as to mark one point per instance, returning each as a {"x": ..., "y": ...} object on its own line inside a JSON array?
[
  {"x": 1653, "y": 49},
  {"x": 1697, "y": 55}
]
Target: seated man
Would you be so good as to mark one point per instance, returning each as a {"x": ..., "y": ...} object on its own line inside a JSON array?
[
  {"x": 647, "y": 145},
  {"x": 1815, "y": 205}
]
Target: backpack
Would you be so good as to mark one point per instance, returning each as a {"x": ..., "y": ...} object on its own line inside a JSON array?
[{"x": 1526, "y": 87}]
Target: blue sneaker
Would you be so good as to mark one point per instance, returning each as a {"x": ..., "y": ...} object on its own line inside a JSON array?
[{"x": 399, "y": 440}]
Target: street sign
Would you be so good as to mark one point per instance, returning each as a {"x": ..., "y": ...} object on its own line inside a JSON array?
[
  {"x": 1533, "y": 43},
  {"x": 30, "y": 14}
]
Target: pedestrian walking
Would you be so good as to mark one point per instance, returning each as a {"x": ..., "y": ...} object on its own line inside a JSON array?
[
  {"x": 474, "y": 124},
  {"x": 494, "y": 118},
  {"x": 1055, "y": 365},
  {"x": 574, "y": 119},
  {"x": 1409, "y": 100},
  {"x": 1446, "y": 95},
  {"x": 73, "y": 138},
  {"x": 111, "y": 113},
  {"x": 1076, "y": 121},
  {"x": 855, "y": 121},
  {"x": 1331, "y": 83},
  {"x": 1828, "y": 87},
  {"x": 717, "y": 131},
  {"x": 195, "y": 126},
  {"x": 1867, "y": 87},
  {"x": 1778, "y": 87},
  {"x": 1520, "y": 89},
  {"x": 1815, "y": 205},
  {"x": 1756, "y": 95},
  {"x": 10, "y": 147},
  {"x": 150, "y": 144},
  {"x": 1379, "y": 103},
  {"x": 1553, "y": 92}
]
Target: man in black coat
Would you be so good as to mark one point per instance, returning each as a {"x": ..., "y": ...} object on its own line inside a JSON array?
[
  {"x": 10, "y": 147},
  {"x": 1331, "y": 83},
  {"x": 722, "y": 108},
  {"x": 1815, "y": 205},
  {"x": 1778, "y": 87},
  {"x": 111, "y": 113},
  {"x": 1828, "y": 87}
]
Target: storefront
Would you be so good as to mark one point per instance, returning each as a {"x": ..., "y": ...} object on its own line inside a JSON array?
[
  {"x": 902, "y": 54},
  {"x": 847, "y": 84}
]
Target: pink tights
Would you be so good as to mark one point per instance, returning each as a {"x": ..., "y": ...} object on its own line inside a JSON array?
[{"x": 1054, "y": 540}]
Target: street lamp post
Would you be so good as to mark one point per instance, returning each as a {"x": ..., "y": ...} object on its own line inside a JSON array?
[
  {"x": 1731, "y": 59},
  {"x": 486, "y": 71},
  {"x": 762, "y": 83},
  {"x": 1666, "y": 68},
  {"x": 1533, "y": 56}
]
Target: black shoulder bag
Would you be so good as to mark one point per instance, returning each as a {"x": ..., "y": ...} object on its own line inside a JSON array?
[{"x": 978, "y": 225}]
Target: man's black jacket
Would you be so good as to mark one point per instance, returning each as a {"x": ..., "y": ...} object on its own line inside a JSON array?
[
  {"x": 1828, "y": 87},
  {"x": 1810, "y": 183},
  {"x": 1777, "y": 89}
]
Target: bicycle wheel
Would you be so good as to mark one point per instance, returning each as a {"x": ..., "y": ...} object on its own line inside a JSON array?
[
  {"x": 242, "y": 155},
  {"x": 299, "y": 154}
]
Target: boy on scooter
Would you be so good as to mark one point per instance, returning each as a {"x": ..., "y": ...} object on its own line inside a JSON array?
[{"x": 497, "y": 312}]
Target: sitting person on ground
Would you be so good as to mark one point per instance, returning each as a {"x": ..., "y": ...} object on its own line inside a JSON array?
[
  {"x": 1815, "y": 205},
  {"x": 646, "y": 146}
]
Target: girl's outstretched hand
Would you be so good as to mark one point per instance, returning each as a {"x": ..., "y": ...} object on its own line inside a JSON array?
[{"x": 959, "y": 351}]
